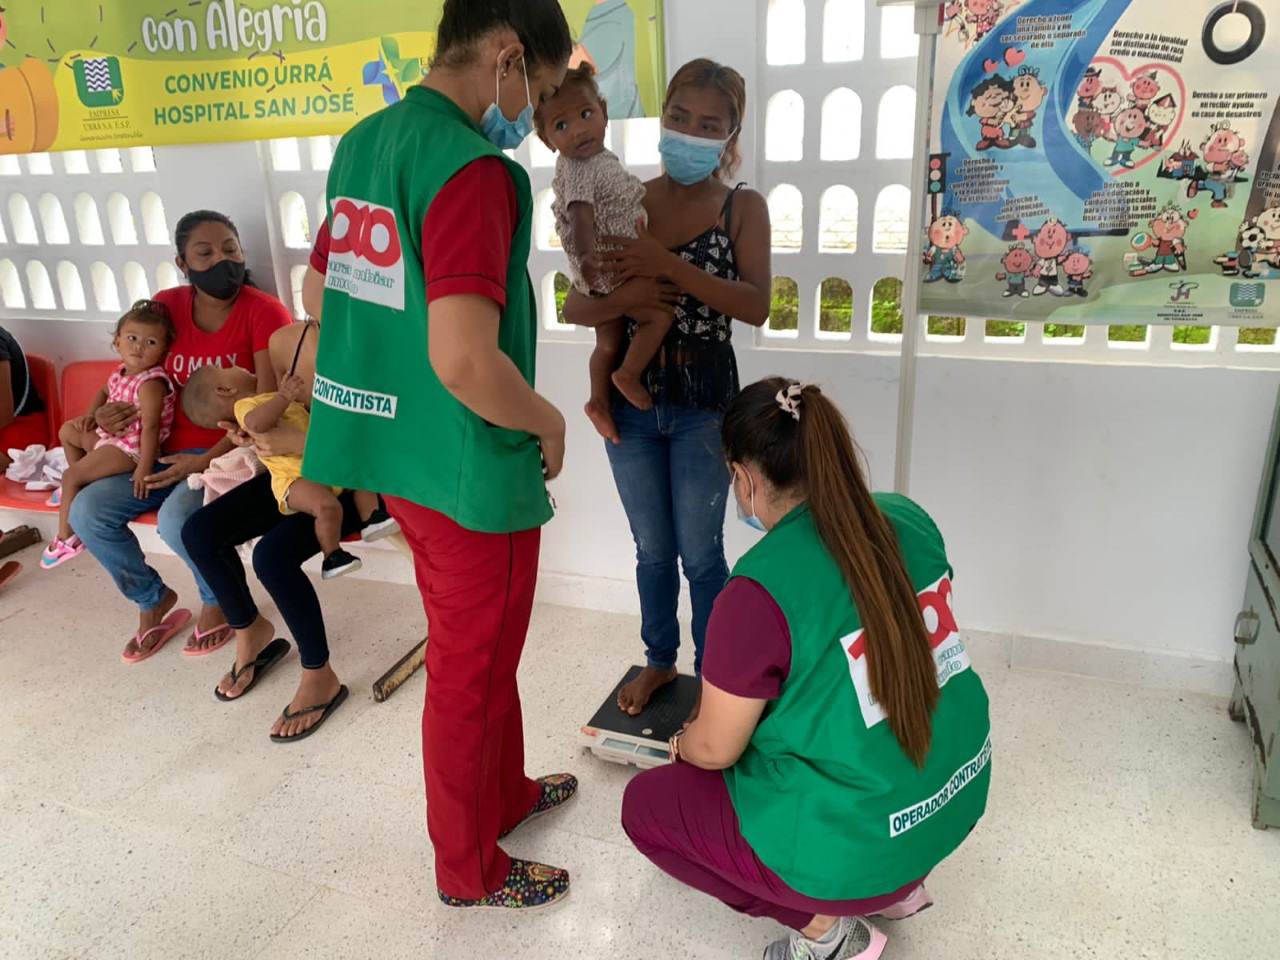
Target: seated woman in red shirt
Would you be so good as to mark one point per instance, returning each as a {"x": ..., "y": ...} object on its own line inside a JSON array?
[{"x": 221, "y": 320}]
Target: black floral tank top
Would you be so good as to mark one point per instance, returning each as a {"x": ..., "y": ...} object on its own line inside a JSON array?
[{"x": 696, "y": 366}]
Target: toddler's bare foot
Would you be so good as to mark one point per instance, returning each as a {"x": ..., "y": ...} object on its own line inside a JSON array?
[
  {"x": 632, "y": 389},
  {"x": 634, "y": 697},
  {"x": 598, "y": 413}
]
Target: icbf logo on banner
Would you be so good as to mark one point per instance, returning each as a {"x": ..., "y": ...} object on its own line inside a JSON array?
[{"x": 365, "y": 257}]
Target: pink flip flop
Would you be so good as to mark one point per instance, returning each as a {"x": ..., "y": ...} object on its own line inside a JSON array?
[
  {"x": 168, "y": 628},
  {"x": 201, "y": 634}
]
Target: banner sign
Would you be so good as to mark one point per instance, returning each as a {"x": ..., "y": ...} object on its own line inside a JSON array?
[
  {"x": 77, "y": 74},
  {"x": 1105, "y": 161}
]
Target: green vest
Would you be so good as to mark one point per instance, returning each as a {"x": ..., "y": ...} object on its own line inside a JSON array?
[
  {"x": 825, "y": 795},
  {"x": 380, "y": 418}
]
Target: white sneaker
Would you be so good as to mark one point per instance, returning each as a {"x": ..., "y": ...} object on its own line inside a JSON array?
[{"x": 855, "y": 939}]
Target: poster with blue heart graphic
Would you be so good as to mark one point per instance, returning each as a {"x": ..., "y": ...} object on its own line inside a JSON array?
[{"x": 1105, "y": 162}]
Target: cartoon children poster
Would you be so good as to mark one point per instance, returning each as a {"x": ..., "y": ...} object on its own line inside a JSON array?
[{"x": 1083, "y": 151}]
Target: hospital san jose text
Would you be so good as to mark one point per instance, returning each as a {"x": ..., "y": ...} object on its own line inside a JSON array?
[{"x": 264, "y": 108}]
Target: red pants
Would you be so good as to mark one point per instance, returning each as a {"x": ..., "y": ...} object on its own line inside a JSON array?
[{"x": 477, "y": 589}]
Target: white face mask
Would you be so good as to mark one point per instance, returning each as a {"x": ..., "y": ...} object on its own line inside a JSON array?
[{"x": 750, "y": 519}]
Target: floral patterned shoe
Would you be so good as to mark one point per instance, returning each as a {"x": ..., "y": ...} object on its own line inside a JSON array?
[
  {"x": 529, "y": 886},
  {"x": 557, "y": 790}
]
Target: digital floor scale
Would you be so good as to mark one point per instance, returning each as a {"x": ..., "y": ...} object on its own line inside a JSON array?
[{"x": 619, "y": 738}]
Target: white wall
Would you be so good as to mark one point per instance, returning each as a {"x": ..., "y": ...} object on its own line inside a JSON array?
[
  {"x": 1104, "y": 504},
  {"x": 1098, "y": 503}
]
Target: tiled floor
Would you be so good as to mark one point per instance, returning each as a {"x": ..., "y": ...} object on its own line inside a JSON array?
[{"x": 140, "y": 818}]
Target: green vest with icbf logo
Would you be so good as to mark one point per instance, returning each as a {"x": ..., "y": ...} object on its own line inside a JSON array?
[
  {"x": 380, "y": 418},
  {"x": 824, "y": 794}
]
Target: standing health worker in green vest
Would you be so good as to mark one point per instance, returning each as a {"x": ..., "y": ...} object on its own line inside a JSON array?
[
  {"x": 424, "y": 393},
  {"x": 843, "y": 748}
]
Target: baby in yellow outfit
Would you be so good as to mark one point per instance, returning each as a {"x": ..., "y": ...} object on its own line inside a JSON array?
[
  {"x": 285, "y": 470},
  {"x": 214, "y": 394}
]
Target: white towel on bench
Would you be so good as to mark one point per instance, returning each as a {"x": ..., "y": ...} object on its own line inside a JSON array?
[{"x": 37, "y": 467}]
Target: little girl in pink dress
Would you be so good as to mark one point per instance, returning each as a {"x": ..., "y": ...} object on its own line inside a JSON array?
[{"x": 142, "y": 338}]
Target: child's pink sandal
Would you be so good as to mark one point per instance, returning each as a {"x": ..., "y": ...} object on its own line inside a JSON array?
[{"x": 60, "y": 551}]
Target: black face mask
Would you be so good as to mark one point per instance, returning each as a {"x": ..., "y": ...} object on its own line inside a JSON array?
[{"x": 222, "y": 281}]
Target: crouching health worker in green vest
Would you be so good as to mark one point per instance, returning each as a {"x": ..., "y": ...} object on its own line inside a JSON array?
[
  {"x": 424, "y": 393},
  {"x": 843, "y": 748}
]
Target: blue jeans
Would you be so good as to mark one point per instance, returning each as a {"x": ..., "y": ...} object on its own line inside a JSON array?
[
  {"x": 674, "y": 485},
  {"x": 100, "y": 516}
]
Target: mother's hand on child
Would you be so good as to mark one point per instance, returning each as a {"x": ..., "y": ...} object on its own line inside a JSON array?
[
  {"x": 181, "y": 466},
  {"x": 116, "y": 418},
  {"x": 638, "y": 256},
  {"x": 280, "y": 441}
]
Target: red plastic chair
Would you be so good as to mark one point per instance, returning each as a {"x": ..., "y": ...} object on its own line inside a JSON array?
[
  {"x": 44, "y": 377},
  {"x": 81, "y": 383}
]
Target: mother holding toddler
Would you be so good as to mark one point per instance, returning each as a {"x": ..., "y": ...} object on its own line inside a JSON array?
[
  {"x": 712, "y": 243},
  {"x": 218, "y": 320}
]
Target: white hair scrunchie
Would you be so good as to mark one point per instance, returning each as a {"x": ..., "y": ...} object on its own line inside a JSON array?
[{"x": 789, "y": 400}]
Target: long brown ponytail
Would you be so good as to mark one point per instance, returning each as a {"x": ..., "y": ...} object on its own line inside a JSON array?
[{"x": 815, "y": 457}]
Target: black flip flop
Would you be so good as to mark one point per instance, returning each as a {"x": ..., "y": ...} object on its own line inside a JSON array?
[
  {"x": 328, "y": 708},
  {"x": 271, "y": 654}
]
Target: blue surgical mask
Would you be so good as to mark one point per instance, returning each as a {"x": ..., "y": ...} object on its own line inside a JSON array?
[
  {"x": 750, "y": 519},
  {"x": 689, "y": 160},
  {"x": 503, "y": 133}
]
